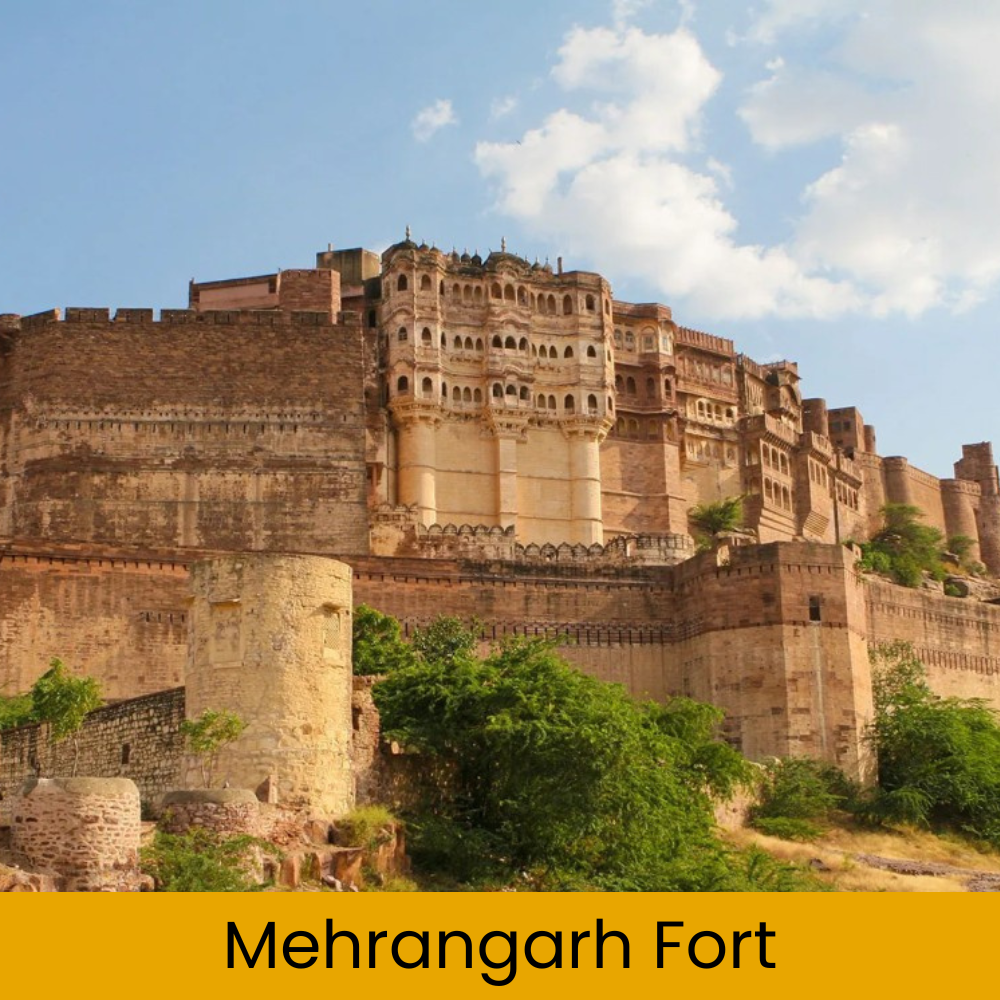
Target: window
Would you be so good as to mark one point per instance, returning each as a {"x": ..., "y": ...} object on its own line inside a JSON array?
[
  {"x": 592, "y": 405},
  {"x": 426, "y": 387},
  {"x": 567, "y": 305},
  {"x": 591, "y": 352},
  {"x": 401, "y": 283},
  {"x": 372, "y": 319},
  {"x": 402, "y": 384},
  {"x": 815, "y": 609},
  {"x": 401, "y": 335},
  {"x": 425, "y": 335},
  {"x": 590, "y": 303},
  {"x": 568, "y": 353},
  {"x": 510, "y": 344},
  {"x": 569, "y": 404},
  {"x": 425, "y": 283}
]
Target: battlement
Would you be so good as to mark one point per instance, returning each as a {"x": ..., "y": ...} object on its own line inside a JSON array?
[
  {"x": 686, "y": 337},
  {"x": 11, "y": 322}
]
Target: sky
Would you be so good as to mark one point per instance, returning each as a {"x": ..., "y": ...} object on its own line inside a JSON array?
[{"x": 815, "y": 179}]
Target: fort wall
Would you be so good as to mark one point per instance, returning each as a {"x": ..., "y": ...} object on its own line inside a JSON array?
[{"x": 224, "y": 429}]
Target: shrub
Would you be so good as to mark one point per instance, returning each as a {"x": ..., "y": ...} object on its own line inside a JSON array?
[
  {"x": 557, "y": 774},
  {"x": 787, "y": 828},
  {"x": 903, "y": 548},
  {"x": 366, "y": 826},
  {"x": 201, "y": 861},
  {"x": 207, "y": 735},
  {"x": 378, "y": 645},
  {"x": 798, "y": 789}
]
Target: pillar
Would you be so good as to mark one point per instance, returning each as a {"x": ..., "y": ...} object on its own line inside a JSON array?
[
  {"x": 418, "y": 464},
  {"x": 585, "y": 472}
]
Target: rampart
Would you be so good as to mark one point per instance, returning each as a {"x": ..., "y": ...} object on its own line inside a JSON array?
[{"x": 218, "y": 429}]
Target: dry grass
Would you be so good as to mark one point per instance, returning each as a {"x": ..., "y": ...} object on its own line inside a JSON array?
[{"x": 836, "y": 850}]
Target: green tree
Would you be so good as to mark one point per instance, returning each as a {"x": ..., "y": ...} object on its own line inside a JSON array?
[
  {"x": 558, "y": 773},
  {"x": 904, "y": 548},
  {"x": 938, "y": 758},
  {"x": 378, "y": 645},
  {"x": 202, "y": 861},
  {"x": 64, "y": 701},
  {"x": 207, "y": 735},
  {"x": 710, "y": 519},
  {"x": 16, "y": 710}
]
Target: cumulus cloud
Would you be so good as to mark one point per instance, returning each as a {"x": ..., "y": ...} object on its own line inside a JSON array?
[
  {"x": 432, "y": 119},
  {"x": 899, "y": 220},
  {"x": 503, "y": 106}
]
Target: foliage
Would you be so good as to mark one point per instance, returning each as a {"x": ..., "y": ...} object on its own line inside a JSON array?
[
  {"x": 798, "y": 789},
  {"x": 903, "y": 548},
  {"x": 445, "y": 639},
  {"x": 938, "y": 758},
  {"x": 18, "y": 710},
  {"x": 755, "y": 870},
  {"x": 366, "y": 826},
  {"x": 378, "y": 646},
  {"x": 202, "y": 861},
  {"x": 207, "y": 735},
  {"x": 557, "y": 774},
  {"x": 709, "y": 519},
  {"x": 788, "y": 828},
  {"x": 63, "y": 701}
]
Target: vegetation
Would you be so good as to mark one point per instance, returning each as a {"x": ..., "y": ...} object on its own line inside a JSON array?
[
  {"x": 201, "y": 861},
  {"x": 561, "y": 781},
  {"x": 207, "y": 735},
  {"x": 56, "y": 698},
  {"x": 378, "y": 646},
  {"x": 797, "y": 796},
  {"x": 710, "y": 519},
  {"x": 903, "y": 548},
  {"x": 938, "y": 758},
  {"x": 366, "y": 826}
]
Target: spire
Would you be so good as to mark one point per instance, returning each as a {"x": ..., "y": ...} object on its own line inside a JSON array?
[
  {"x": 407, "y": 234},
  {"x": 503, "y": 244}
]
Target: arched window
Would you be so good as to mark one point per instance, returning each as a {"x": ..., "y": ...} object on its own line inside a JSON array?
[
  {"x": 552, "y": 402},
  {"x": 522, "y": 345},
  {"x": 540, "y": 402},
  {"x": 444, "y": 390},
  {"x": 466, "y": 395},
  {"x": 568, "y": 353},
  {"x": 456, "y": 395},
  {"x": 651, "y": 388},
  {"x": 510, "y": 344},
  {"x": 590, "y": 303},
  {"x": 619, "y": 384},
  {"x": 477, "y": 395},
  {"x": 456, "y": 290},
  {"x": 401, "y": 335},
  {"x": 479, "y": 344},
  {"x": 508, "y": 293},
  {"x": 630, "y": 387},
  {"x": 496, "y": 343},
  {"x": 534, "y": 351},
  {"x": 629, "y": 340},
  {"x": 468, "y": 344},
  {"x": 620, "y": 426},
  {"x": 497, "y": 390},
  {"x": 591, "y": 353},
  {"x": 426, "y": 387},
  {"x": 592, "y": 405},
  {"x": 569, "y": 404},
  {"x": 666, "y": 387},
  {"x": 522, "y": 296},
  {"x": 524, "y": 394},
  {"x": 444, "y": 340},
  {"x": 401, "y": 283},
  {"x": 550, "y": 304},
  {"x": 633, "y": 428},
  {"x": 441, "y": 288},
  {"x": 425, "y": 335},
  {"x": 543, "y": 351},
  {"x": 467, "y": 293},
  {"x": 457, "y": 343},
  {"x": 478, "y": 294},
  {"x": 618, "y": 339},
  {"x": 540, "y": 304},
  {"x": 567, "y": 305},
  {"x": 495, "y": 291},
  {"x": 372, "y": 318},
  {"x": 511, "y": 391},
  {"x": 402, "y": 384},
  {"x": 425, "y": 283}
]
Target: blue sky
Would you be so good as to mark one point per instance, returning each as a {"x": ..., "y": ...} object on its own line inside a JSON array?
[{"x": 815, "y": 179}]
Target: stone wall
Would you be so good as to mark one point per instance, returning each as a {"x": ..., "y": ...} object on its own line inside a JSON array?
[
  {"x": 219, "y": 430},
  {"x": 137, "y": 739}
]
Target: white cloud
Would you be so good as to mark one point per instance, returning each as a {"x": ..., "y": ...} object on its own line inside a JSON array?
[
  {"x": 902, "y": 220},
  {"x": 432, "y": 119},
  {"x": 503, "y": 106}
]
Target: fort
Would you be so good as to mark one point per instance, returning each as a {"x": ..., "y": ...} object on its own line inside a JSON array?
[{"x": 491, "y": 438}]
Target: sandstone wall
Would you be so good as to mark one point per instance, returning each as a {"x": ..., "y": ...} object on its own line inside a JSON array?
[
  {"x": 958, "y": 640},
  {"x": 137, "y": 739},
  {"x": 227, "y": 430},
  {"x": 121, "y": 620}
]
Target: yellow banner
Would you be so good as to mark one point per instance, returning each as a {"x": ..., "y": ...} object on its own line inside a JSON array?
[{"x": 528, "y": 945}]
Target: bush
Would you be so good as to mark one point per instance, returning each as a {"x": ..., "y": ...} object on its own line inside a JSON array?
[
  {"x": 787, "y": 828},
  {"x": 366, "y": 826},
  {"x": 938, "y": 758},
  {"x": 903, "y": 548},
  {"x": 378, "y": 645},
  {"x": 558, "y": 774},
  {"x": 799, "y": 788},
  {"x": 201, "y": 861}
]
